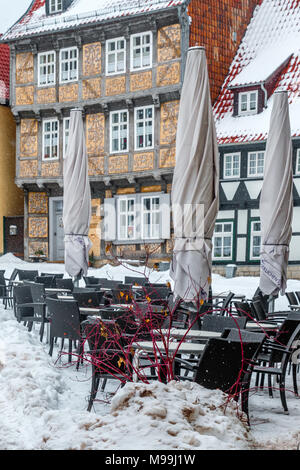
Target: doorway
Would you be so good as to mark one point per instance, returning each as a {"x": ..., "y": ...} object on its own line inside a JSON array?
[{"x": 57, "y": 245}]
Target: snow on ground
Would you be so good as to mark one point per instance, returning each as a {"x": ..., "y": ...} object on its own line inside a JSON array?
[{"x": 43, "y": 402}]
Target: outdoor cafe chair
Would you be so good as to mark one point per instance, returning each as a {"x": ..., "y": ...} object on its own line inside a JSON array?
[
  {"x": 5, "y": 292},
  {"x": 221, "y": 307},
  {"x": 109, "y": 283},
  {"x": 108, "y": 360},
  {"x": 64, "y": 318},
  {"x": 88, "y": 299},
  {"x": 27, "y": 275},
  {"x": 226, "y": 366},
  {"x": 25, "y": 308},
  {"x": 47, "y": 281},
  {"x": 65, "y": 284},
  {"x": 276, "y": 355},
  {"x": 39, "y": 305},
  {"x": 136, "y": 281},
  {"x": 293, "y": 301},
  {"x": 91, "y": 281}
]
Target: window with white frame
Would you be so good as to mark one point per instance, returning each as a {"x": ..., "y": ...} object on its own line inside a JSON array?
[
  {"x": 137, "y": 218},
  {"x": 46, "y": 68},
  {"x": 141, "y": 51},
  {"x": 255, "y": 239},
  {"x": 223, "y": 241},
  {"x": 68, "y": 64},
  {"x": 55, "y": 6},
  {"x": 144, "y": 127},
  {"x": 66, "y": 128},
  {"x": 298, "y": 162},
  {"x": 115, "y": 56},
  {"x": 126, "y": 219},
  {"x": 50, "y": 139},
  {"x": 232, "y": 163},
  {"x": 256, "y": 163},
  {"x": 118, "y": 131},
  {"x": 248, "y": 102},
  {"x": 150, "y": 217}
]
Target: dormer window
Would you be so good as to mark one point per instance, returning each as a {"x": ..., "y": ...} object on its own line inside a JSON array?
[
  {"x": 55, "y": 6},
  {"x": 248, "y": 102}
]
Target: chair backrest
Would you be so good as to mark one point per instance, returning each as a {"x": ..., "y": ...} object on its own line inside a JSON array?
[
  {"x": 91, "y": 280},
  {"x": 221, "y": 363},
  {"x": 2, "y": 279},
  {"x": 292, "y": 298},
  {"x": 65, "y": 284},
  {"x": 56, "y": 275},
  {"x": 26, "y": 275},
  {"x": 121, "y": 296},
  {"x": 14, "y": 275},
  {"x": 298, "y": 295},
  {"x": 22, "y": 295},
  {"x": 258, "y": 295},
  {"x": 37, "y": 292},
  {"x": 64, "y": 319},
  {"x": 136, "y": 281},
  {"x": 47, "y": 281},
  {"x": 88, "y": 299},
  {"x": 288, "y": 332},
  {"x": 79, "y": 290},
  {"x": 109, "y": 283},
  {"x": 243, "y": 309},
  {"x": 227, "y": 301},
  {"x": 259, "y": 311},
  {"x": 220, "y": 323},
  {"x": 157, "y": 293}
]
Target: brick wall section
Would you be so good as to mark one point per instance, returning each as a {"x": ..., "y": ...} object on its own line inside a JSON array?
[{"x": 214, "y": 24}]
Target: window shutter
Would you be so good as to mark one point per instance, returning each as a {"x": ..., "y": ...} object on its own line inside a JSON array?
[
  {"x": 110, "y": 220},
  {"x": 165, "y": 206}
]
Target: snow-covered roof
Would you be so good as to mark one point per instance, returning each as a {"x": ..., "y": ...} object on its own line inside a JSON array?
[
  {"x": 272, "y": 39},
  {"x": 82, "y": 12},
  {"x": 4, "y": 72}
]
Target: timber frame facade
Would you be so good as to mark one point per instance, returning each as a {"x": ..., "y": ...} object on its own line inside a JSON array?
[{"x": 131, "y": 172}]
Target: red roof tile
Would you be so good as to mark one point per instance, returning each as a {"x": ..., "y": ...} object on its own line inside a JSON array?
[{"x": 4, "y": 72}]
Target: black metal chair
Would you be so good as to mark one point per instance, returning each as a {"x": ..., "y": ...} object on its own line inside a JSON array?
[
  {"x": 293, "y": 301},
  {"x": 23, "y": 305},
  {"x": 9, "y": 288},
  {"x": 276, "y": 357},
  {"x": 227, "y": 365},
  {"x": 65, "y": 284},
  {"x": 39, "y": 306},
  {"x": 47, "y": 281},
  {"x": 91, "y": 281},
  {"x": 107, "y": 360},
  {"x": 243, "y": 309},
  {"x": 64, "y": 317},
  {"x": 88, "y": 299},
  {"x": 136, "y": 281},
  {"x": 109, "y": 283},
  {"x": 27, "y": 275},
  {"x": 5, "y": 292}
]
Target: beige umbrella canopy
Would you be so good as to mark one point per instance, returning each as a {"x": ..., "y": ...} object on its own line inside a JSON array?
[
  {"x": 195, "y": 189},
  {"x": 276, "y": 201},
  {"x": 77, "y": 199}
]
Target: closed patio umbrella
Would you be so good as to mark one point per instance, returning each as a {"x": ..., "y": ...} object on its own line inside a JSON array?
[
  {"x": 195, "y": 188},
  {"x": 276, "y": 201},
  {"x": 77, "y": 199}
]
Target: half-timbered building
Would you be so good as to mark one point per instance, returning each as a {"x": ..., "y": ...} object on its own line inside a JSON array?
[{"x": 123, "y": 64}]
